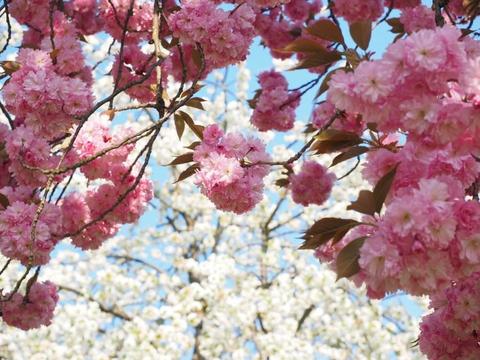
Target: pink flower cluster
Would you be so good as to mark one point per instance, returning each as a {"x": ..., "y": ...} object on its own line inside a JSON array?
[
  {"x": 312, "y": 185},
  {"x": 275, "y": 106},
  {"x": 300, "y": 10},
  {"x": 418, "y": 86},
  {"x": 404, "y": 4},
  {"x": 48, "y": 93},
  {"x": 324, "y": 112},
  {"x": 267, "y": 3},
  {"x": 95, "y": 137},
  {"x": 225, "y": 37},
  {"x": 282, "y": 24},
  {"x": 452, "y": 330},
  {"x": 134, "y": 66},
  {"x": 418, "y": 231},
  {"x": 417, "y": 18},
  {"x": 411, "y": 88},
  {"x": 67, "y": 56},
  {"x": 25, "y": 148},
  {"x": 34, "y": 13},
  {"x": 102, "y": 202},
  {"x": 41, "y": 98},
  {"x": 275, "y": 31},
  {"x": 222, "y": 178},
  {"x": 114, "y": 15},
  {"x": 33, "y": 311},
  {"x": 84, "y": 14},
  {"x": 16, "y": 241},
  {"x": 358, "y": 10}
]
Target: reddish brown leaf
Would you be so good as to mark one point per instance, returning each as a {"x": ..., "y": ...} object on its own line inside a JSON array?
[
  {"x": 179, "y": 125},
  {"x": 327, "y": 30},
  {"x": 303, "y": 45},
  {"x": 196, "y": 103},
  {"x": 253, "y": 102},
  {"x": 53, "y": 54},
  {"x": 350, "y": 153},
  {"x": 283, "y": 182},
  {"x": 197, "y": 58},
  {"x": 318, "y": 58},
  {"x": 325, "y": 229},
  {"x": 397, "y": 26},
  {"x": 193, "y": 145},
  {"x": 324, "y": 84},
  {"x": 188, "y": 172},
  {"x": 347, "y": 260},
  {"x": 4, "y": 201},
  {"x": 334, "y": 140},
  {"x": 182, "y": 159},
  {"x": 361, "y": 32},
  {"x": 382, "y": 188},
  {"x": 10, "y": 66},
  {"x": 197, "y": 129},
  {"x": 365, "y": 203}
]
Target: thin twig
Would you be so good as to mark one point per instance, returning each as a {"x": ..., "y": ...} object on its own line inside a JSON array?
[{"x": 9, "y": 27}]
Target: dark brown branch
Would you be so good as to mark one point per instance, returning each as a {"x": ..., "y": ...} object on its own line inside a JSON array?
[
  {"x": 197, "y": 355},
  {"x": 114, "y": 310},
  {"x": 437, "y": 7},
  {"x": 272, "y": 215},
  {"x": 7, "y": 115},
  {"x": 128, "y": 258},
  {"x": 5, "y": 266},
  {"x": 299, "y": 154},
  {"x": 351, "y": 170},
  {"x": 122, "y": 47},
  {"x": 260, "y": 322},
  {"x": 9, "y": 27},
  {"x": 305, "y": 315},
  {"x": 17, "y": 285},
  {"x": 124, "y": 194},
  {"x": 52, "y": 32}
]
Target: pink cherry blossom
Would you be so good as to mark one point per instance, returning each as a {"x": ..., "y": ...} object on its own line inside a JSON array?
[
  {"x": 275, "y": 106},
  {"x": 312, "y": 185},
  {"x": 33, "y": 311}
]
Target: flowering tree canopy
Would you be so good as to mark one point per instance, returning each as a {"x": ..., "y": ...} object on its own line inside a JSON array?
[
  {"x": 409, "y": 116},
  {"x": 205, "y": 284}
]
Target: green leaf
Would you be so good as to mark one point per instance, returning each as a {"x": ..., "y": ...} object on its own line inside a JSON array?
[
  {"x": 182, "y": 159},
  {"x": 350, "y": 153},
  {"x": 382, "y": 188},
  {"x": 365, "y": 203},
  {"x": 347, "y": 260},
  {"x": 361, "y": 32},
  {"x": 327, "y": 30}
]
